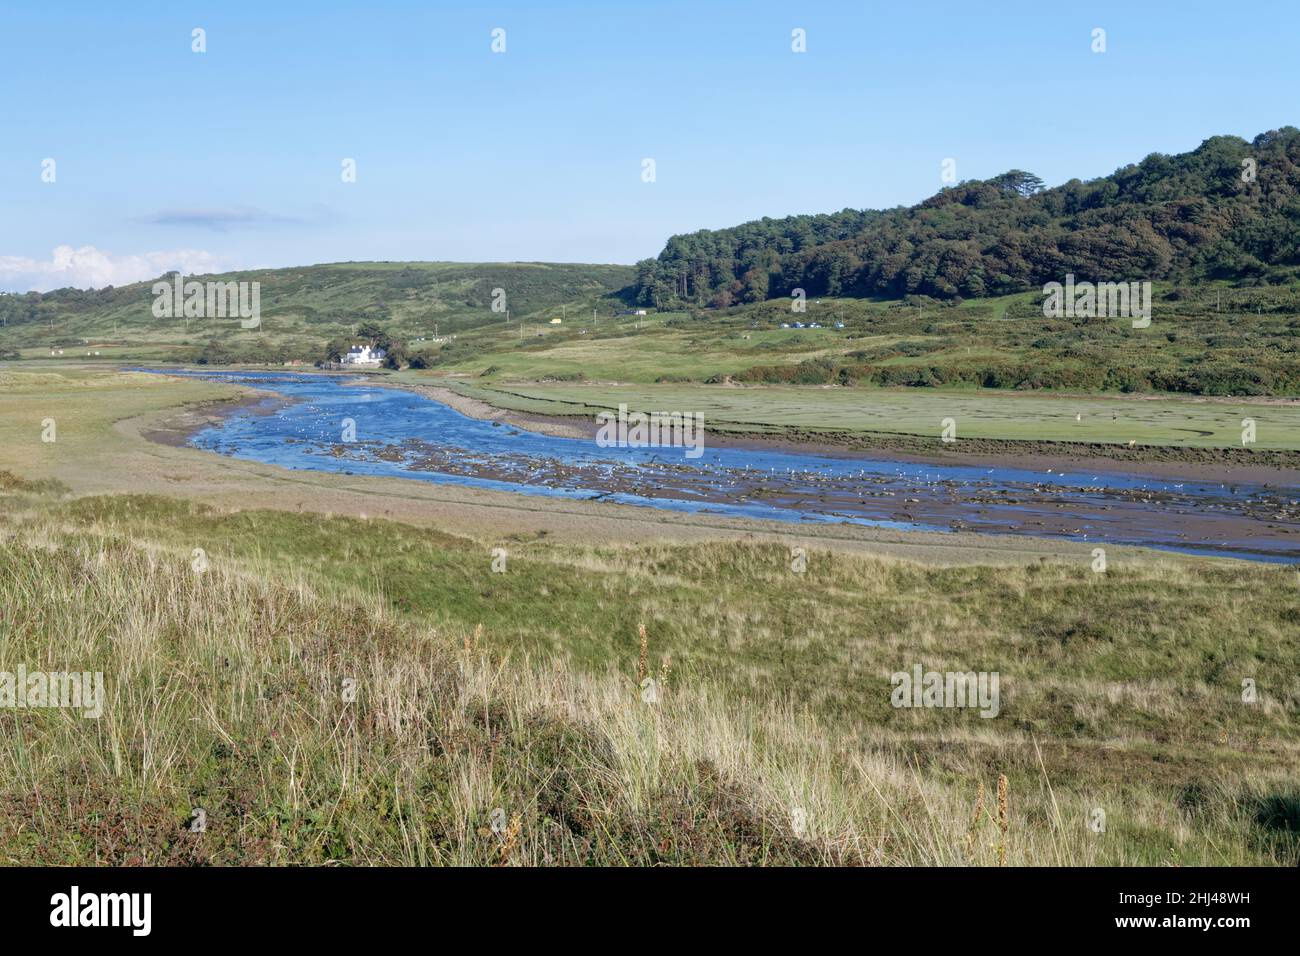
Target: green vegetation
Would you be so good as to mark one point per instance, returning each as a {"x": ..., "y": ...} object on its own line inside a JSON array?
[
  {"x": 791, "y": 411},
  {"x": 1198, "y": 215},
  {"x": 84, "y": 405},
  {"x": 997, "y": 366},
  {"x": 944, "y": 294},
  {"x": 1206, "y": 340},
  {"x": 503, "y": 718},
  {"x": 520, "y": 690},
  {"x": 304, "y": 308},
  {"x": 226, "y": 692}
]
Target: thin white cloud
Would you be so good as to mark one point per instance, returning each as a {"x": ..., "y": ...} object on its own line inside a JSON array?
[
  {"x": 90, "y": 268},
  {"x": 220, "y": 219}
]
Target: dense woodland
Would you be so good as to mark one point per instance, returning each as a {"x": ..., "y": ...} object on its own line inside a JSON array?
[{"x": 1227, "y": 210}]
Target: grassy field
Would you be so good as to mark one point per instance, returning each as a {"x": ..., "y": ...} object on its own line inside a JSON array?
[
  {"x": 898, "y": 370},
  {"x": 1028, "y": 417},
  {"x": 82, "y": 405},
  {"x": 500, "y": 718},
  {"x": 1206, "y": 340},
  {"x": 772, "y": 739}
]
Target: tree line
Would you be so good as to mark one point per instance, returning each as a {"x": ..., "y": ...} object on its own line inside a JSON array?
[{"x": 1229, "y": 209}]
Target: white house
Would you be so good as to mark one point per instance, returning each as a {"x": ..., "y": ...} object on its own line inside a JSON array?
[{"x": 364, "y": 355}]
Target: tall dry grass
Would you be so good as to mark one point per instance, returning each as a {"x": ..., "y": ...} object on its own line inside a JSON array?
[{"x": 324, "y": 728}]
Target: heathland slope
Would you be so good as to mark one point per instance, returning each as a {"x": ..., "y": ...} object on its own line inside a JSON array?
[{"x": 303, "y": 308}]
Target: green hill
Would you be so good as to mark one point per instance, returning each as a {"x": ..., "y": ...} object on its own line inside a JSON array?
[
  {"x": 1204, "y": 339},
  {"x": 945, "y": 293},
  {"x": 305, "y": 307},
  {"x": 1229, "y": 209}
]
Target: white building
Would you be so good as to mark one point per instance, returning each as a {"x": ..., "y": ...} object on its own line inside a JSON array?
[{"x": 364, "y": 355}]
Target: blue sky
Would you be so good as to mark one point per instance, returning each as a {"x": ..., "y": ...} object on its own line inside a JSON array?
[{"x": 232, "y": 158}]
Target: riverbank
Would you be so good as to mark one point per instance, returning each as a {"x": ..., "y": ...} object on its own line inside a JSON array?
[
  {"x": 557, "y": 426},
  {"x": 777, "y": 667},
  {"x": 122, "y": 433},
  {"x": 393, "y": 438},
  {"x": 1279, "y": 469},
  {"x": 176, "y": 429}
]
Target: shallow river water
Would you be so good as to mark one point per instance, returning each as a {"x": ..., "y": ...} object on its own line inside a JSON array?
[{"x": 398, "y": 433}]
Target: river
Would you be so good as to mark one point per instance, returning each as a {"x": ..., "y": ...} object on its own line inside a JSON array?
[{"x": 337, "y": 424}]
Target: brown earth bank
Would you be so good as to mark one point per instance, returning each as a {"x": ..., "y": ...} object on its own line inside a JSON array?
[
  {"x": 176, "y": 428},
  {"x": 559, "y": 426}
]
